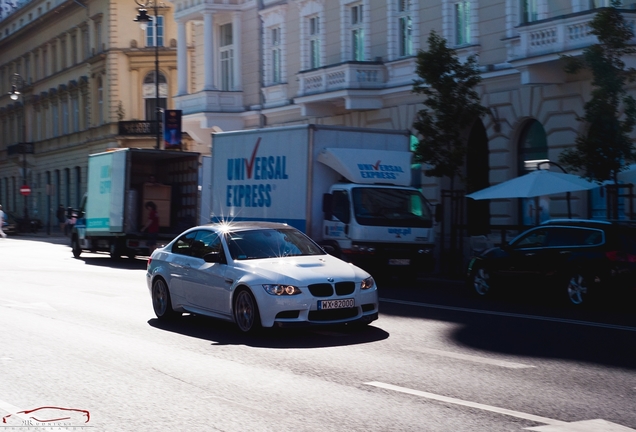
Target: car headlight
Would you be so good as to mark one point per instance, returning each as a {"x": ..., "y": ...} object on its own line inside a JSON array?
[
  {"x": 367, "y": 283},
  {"x": 277, "y": 289}
]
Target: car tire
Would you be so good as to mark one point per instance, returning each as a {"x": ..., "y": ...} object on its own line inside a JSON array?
[
  {"x": 480, "y": 282},
  {"x": 246, "y": 313},
  {"x": 161, "y": 300},
  {"x": 578, "y": 289},
  {"x": 75, "y": 247}
]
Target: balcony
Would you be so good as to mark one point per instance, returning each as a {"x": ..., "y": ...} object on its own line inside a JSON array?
[
  {"x": 211, "y": 101},
  {"x": 352, "y": 85},
  {"x": 138, "y": 128},
  {"x": 537, "y": 49}
]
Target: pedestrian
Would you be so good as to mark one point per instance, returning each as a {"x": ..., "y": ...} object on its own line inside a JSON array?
[
  {"x": 151, "y": 226},
  {"x": 2, "y": 217},
  {"x": 61, "y": 217}
]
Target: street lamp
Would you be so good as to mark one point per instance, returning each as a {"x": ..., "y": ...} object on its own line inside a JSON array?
[
  {"x": 17, "y": 84},
  {"x": 143, "y": 19}
]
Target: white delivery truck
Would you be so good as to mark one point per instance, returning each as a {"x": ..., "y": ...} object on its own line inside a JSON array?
[
  {"x": 347, "y": 188},
  {"x": 120, "y": 182}
]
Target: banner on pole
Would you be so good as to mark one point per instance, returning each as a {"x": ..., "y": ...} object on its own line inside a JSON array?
[{"x": 172, "y": 129}]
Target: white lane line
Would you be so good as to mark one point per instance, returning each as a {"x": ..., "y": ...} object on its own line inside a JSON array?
[
  {"x": 509, "y": 314},
  {"x": 472, "y": 358},
  {"x": 517, "y": 414}
]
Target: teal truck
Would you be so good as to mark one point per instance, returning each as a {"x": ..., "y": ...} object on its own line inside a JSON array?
[{"x": 120, "y": 182}]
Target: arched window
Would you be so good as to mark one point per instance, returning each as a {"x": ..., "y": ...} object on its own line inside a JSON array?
[
  {"x": 533, "y": 146},
  {"x": 150, "y": 94}
]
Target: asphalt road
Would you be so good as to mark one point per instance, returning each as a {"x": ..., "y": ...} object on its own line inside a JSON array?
[{"x": 80, "y": 343}]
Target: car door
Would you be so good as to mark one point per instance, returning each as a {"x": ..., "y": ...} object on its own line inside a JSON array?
[
  {"x": 177, "y": 265},
  {"x": 205, "y": 285},
  {"x": 525, "y": 257}
]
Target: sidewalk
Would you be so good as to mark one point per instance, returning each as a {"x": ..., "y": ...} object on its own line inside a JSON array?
[{"x": 55, "y": 237}]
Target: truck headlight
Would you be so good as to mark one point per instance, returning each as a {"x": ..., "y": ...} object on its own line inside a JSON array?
[
  {"x": 277, "y": 289},
  {"x": 367, "y": 283}
]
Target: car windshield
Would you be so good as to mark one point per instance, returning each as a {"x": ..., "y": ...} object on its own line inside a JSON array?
[
  {"x": 374, "y": 206},
  {"x": 269, "y": 243}
]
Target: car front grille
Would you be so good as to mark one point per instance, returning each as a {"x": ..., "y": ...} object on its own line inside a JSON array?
[
  {"x": 345, "y": 288},
  {"x": 321, "y": 290},
  {"x": 327, "y": 289}
]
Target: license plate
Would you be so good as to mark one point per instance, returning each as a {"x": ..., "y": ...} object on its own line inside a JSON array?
[
  {"x": 336, "y": 304},
  {"x": 400, "y": 262}
]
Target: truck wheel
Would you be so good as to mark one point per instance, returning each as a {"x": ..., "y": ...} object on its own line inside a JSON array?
[
  {"x": 115, "y": 251},
  {"x": 75, "y": 247}
]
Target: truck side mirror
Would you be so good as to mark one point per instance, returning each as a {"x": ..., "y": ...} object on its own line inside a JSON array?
[
  {"x": 327, "y": 206},
  {"x": 439, "y": 212}
]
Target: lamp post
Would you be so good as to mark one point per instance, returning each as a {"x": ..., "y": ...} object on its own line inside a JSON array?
[
  {"x": 17, "y": 84},
  {"x": 143, "y": 19}
]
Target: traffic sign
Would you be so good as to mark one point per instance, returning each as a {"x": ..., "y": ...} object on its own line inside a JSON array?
[{"x": 25, "y": 190}]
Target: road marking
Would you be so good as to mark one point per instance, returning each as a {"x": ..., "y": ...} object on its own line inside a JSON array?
[
  {"x": 512, "y": 315},
  {"x": 36, "y": 305},
  {"x": 596, "y": 425},
  {"x": 472, "y": 358},
  {"x": 469, "y": 404}
]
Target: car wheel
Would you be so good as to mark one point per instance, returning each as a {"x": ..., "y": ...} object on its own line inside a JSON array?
[
  {"x": 75, "y": 247},
  {"x": 161, "y": 302},
  {"x": 480, "y": 283},
  {"x": 246, "y": 311},
  {"x": 578, "y": 289}
]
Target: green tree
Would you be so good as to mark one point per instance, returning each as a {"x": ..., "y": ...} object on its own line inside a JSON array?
[
  {"x": 605, "y": 148},
  {"x": 452, "y": 105}
]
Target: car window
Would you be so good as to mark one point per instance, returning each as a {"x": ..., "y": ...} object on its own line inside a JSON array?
[
  {"x": 574, "y": 236},
  {"x": 270, "y": 243},
  {"x": 204, "y": 243},
  {"x": 183, "y": 243},
  {"x": 532, "y": 239}
]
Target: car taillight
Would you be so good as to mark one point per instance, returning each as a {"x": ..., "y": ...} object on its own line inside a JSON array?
[
  {"x": 620, "y": 256},
  {"x": 148, "y": 263}
]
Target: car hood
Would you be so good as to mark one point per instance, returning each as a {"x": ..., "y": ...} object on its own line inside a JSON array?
[{"x": 303, "y": 270}]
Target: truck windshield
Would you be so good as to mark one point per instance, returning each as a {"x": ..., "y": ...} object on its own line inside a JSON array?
[{"x": 391, "y": 207}]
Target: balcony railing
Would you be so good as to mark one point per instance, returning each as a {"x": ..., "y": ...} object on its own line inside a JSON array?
[
  {"x": 351, "y": 75},
  {"x": 559, "y": 35},
  {"x": 131, "y": 128}
]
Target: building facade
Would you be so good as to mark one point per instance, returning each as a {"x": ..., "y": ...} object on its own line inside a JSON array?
[
  {"x": 85, "y": 73},
  {"x": 247, "y": 64}
]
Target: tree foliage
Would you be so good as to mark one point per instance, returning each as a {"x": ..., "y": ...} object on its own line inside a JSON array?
[
  {"x": 452, "y": 105},
  {"x": 610, "y": 114}
]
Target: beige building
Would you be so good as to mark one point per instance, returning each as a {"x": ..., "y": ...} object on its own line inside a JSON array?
[
  {"x": 247, "y": 64},
  {"x": 87, "y": 83}
]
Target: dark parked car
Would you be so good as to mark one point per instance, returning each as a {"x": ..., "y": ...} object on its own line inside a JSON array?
[
  {"x": 8, "y": 224},
  {"x": 32, "y": 225},
  {"x": 574, "y": 259}
]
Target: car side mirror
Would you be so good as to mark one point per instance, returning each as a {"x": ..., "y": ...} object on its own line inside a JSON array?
[
  {"x": 213, "y": 257},
  {"x": 439, "y": 212},
  {"x": 327, "y": 206}
]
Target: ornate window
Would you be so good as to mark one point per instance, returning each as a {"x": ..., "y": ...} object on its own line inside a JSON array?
[
  {"x": 153, "y": 39},
  {"x": 226, "y": 57}
]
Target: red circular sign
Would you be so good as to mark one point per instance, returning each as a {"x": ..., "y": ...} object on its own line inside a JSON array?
[{"x": 25, "y": 190}]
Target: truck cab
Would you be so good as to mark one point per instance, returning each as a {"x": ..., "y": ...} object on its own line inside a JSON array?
[{"x": 379, "y": 226}]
